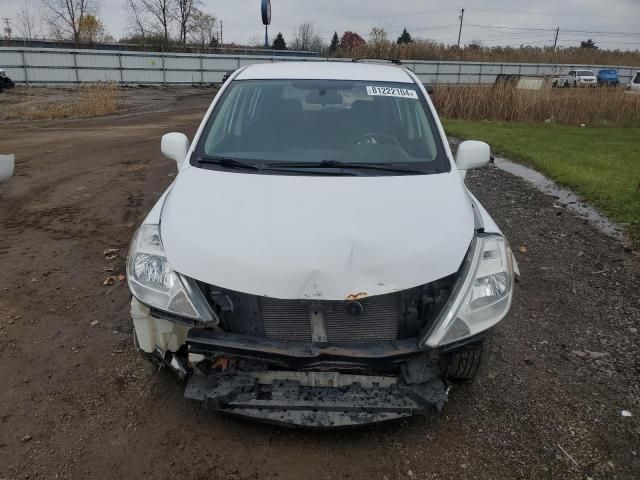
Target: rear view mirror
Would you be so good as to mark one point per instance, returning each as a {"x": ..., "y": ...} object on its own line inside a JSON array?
[
  {"x": 472, "y": 154},
  {"x": 7, "y": 163},
  {"x": 175, "y": 147}
]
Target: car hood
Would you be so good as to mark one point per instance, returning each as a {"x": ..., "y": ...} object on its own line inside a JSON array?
[{"x": 316, "y": 237}]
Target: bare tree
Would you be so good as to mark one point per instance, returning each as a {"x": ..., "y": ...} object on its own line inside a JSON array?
[
  {"x": 306, "y": 38},
  {"x": 66, "y": 16},
  {"x": 136, "y": 19},
  {"x": 161, "y": 15},
  {"x": 256, "y": 41},
  {"x": 203, "y": 29},
  {"x": 185, "y": 10},
  {"x": 29, "y": 23},
  {"x": 379, "y": 40}
]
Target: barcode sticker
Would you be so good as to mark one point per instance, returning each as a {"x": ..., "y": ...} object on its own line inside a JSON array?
[{"x": 392, "y": 92}]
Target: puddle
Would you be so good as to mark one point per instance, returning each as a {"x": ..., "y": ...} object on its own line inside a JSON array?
[{"x": 564, "y": 196}]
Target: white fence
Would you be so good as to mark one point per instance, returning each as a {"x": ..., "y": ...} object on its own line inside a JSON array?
[{"x": 51, "y": 66}]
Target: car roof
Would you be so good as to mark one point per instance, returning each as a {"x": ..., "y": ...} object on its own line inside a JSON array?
[{"x": 326, "y": 70}]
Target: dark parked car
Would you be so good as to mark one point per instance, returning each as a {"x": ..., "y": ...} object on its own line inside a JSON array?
[
  {"x": 5, "y": 81},
  {"x": 608, "y": 77}
]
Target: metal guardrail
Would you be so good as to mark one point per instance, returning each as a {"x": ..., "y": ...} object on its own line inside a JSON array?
[{"x": 52, "y": 66}]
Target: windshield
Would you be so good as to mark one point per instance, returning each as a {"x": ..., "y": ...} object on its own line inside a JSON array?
[
  {"x": 306, "y": 122},
  {"x": 585, "y": 73}
]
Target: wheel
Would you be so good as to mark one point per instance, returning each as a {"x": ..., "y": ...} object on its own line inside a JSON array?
[{"x": 463, "y": 363}]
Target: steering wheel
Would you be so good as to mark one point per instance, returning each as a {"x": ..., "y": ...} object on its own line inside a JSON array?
[{"x": 370, "y": 138}]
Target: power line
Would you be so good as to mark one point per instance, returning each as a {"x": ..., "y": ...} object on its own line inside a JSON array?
[
  {"x": 493, "y": 12},
  {"x": 590, "y": 32},
  {"x": 493, "y": 27},
  {"x": 433, "y": 27},
  {"x": 605, "y": 34},
  {"x": 526, "y": 37}
]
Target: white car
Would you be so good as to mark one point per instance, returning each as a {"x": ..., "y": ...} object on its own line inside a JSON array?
[
  {"x": 318, "y": 259},
  {"x": 580, "y": 78},
  {"x": 634, "y": 83}
]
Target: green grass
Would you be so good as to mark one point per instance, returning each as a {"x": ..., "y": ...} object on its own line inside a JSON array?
[{"x": 601, "y": 164}]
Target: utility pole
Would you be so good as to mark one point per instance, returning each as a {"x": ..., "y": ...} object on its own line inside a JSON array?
[
  {"x": 7, "y": 28},
  {"x": 220, "y": 32},
  {"x": 461, "y": 17},
  {"x": 555, "y": 41}
]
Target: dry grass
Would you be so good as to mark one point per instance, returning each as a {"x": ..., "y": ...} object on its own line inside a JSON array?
[
  {"x": 593, "y": 106},
  {"x": 426, "y": 50},
  {"x": 87, "y": 101}
]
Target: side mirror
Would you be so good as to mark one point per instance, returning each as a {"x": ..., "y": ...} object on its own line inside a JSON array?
[
  {"x": 7, "y": 163},
  {"x": 175, "y": 147},
  {"x": 472, "y": 154}
]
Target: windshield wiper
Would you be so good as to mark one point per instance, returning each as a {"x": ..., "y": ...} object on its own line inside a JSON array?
[
  {"x": 227, "y": 162},
  {"x": 388, "y": 167}
]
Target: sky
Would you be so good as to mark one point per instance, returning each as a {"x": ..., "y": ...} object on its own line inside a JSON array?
[{"x": 610, "y": 23}]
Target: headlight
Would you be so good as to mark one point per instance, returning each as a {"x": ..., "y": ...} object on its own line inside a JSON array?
[
  {"x": 482, "y": 296},
  {"x": 154, "y": 283}
]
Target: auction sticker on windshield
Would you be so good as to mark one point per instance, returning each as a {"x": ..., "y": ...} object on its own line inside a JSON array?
[{"x": 392, "y": 92}]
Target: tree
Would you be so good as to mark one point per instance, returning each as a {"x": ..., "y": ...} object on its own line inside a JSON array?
[
  {"x": 405, "y": 37},
  {"x": 306, "y": 38},
  {"x": 161, "y": 14},
  {"x": 185, "y": 10},
  {"x": 379, "y": 40},
  {"x": 588, "y": 44},
  {"x": 65, "y": 16},
  {"x": 351, "y": 40},
  {"x": 91, "y": 29},
  {"x": 203, "y": 29},
  {"x": 29, "y": 24},
  {"x": 335, "y": 43},
  {"x": 378, "y": 36},
  {"x": 474, "y": 45},
  {"x": 137, "y": 20},
  {"x": 279, "y": 43}
]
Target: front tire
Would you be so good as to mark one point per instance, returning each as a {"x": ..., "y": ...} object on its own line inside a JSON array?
[{"x": 464, "y": 363}]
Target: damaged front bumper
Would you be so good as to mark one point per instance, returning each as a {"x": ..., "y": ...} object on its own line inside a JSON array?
[
  {"x": 296, "y": 383},
  {"x": 316, "y": 399},
  {"x": 310, "y": 395}
]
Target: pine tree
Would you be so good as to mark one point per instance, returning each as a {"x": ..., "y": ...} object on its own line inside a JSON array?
[
  {"x": 405, "y": 37},
  {"x": 335, "y": 43},
  {"x": 279, "y": 43}
]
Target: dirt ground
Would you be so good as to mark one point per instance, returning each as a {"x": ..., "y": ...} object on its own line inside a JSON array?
[{"x": 77, "y": 402}]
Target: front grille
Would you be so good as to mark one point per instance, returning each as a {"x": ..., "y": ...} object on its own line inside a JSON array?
[
  {"x": 383, "y": 318},
  {"x": 379, "y": 320}
]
